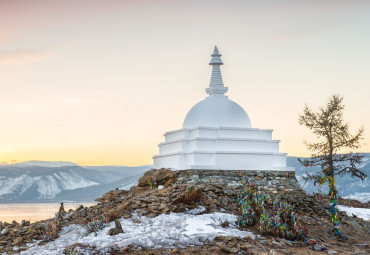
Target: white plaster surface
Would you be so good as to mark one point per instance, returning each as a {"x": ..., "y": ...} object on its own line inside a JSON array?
[
  {"x": 217, "y": 134},
  {"x": 217, "y": 111}
]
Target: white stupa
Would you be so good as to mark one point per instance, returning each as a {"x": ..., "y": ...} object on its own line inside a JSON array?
[{"x": 217, "y": 135}]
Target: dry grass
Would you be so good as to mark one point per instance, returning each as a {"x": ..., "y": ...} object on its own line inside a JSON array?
[
  {"x": 123, "y": 206},
  {"x": 112, "y": 214},
  {"x": 249, "y": 238},
  {"x": 192, "y": 194},
  {"x": 111, "y": 197}
]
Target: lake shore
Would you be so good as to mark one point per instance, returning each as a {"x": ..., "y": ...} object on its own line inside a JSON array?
[{"x": 34, "y": 212}]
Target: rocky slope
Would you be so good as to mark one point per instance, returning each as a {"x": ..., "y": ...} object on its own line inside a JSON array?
[{"x": 143, "y": 202}]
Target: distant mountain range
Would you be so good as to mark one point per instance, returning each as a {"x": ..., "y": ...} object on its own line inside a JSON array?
[{"x": 44, "y": 181}]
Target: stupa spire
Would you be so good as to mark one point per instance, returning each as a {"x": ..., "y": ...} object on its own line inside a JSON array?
[{"x": 216, "y": 86}]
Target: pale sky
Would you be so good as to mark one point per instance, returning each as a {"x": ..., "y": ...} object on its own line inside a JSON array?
[{"x": 100, "y": 82}]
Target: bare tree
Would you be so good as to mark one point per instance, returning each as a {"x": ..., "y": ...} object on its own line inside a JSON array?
[{"x": 328, "y": 152}]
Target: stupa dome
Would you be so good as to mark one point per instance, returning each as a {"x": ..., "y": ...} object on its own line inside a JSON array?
[{"x": 217, "y": 111}]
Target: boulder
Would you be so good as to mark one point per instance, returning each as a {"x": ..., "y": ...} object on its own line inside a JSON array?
[
  {"x": 159, "y": 177},
  {"x": 117, "y": 230},
  {"x": 17, "y": 241}
]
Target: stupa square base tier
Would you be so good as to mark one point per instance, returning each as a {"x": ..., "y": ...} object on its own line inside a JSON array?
[{"x": 222, "y": 149}]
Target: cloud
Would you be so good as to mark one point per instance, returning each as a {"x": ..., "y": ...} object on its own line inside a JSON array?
[{"x": 24, "y": 56}]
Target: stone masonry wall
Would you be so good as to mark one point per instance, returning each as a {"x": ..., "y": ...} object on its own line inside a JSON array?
[{"x": 270, "y": 181}]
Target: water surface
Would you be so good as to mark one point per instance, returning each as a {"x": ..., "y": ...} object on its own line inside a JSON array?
[{"x": 34, "y": 211}]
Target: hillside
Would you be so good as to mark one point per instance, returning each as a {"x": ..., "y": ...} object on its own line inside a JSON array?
[{"x": 181, "y": 219}]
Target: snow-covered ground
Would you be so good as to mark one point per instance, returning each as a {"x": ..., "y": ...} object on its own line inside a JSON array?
[
  {"x": 363, "y": 213},
  {"x": 362, "y": 197},
  {"x": 128, "y": 186},
  {"x": 163, "y": 231}
]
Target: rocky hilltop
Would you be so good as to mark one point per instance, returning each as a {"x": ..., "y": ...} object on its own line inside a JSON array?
[{"x": 162, "y": 192}]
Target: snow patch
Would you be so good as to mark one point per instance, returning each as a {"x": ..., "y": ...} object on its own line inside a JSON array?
[
  {"x": 362, "y": 197},
  {"x": 128, "y": 186},
  {"x": 48, "y": 187},
  {"x": 198, "y": 210},
  {"x": 363, "y": 213},
  {"x": 163, "y": 231},
  {"x": 71, "y": 180},
  {"x": 10, "y": 185}
]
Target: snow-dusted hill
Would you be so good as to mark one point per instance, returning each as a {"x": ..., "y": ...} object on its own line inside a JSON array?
[
  {"x": 43, "y": 163},
  {"x": 51, "y": 181},
  {"x": 353, "y": 188}
]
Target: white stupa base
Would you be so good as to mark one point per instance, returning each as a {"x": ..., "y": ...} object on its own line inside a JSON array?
[
  {"x": 223, "y": 161},
  {"x": 209, "y": 148}
]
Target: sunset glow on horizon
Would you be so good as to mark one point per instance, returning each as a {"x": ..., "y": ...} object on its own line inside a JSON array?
[{"x": 100, "y": 82}]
